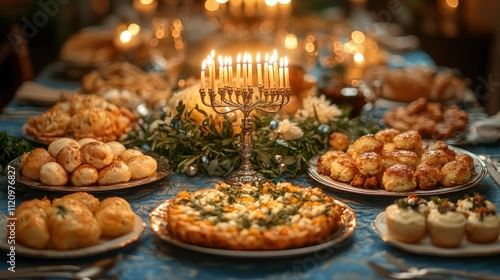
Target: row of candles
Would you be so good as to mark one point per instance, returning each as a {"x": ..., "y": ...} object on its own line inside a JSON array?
[{"x": 273, "y": 73}]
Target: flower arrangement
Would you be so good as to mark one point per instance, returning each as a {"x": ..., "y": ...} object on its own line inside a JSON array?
[{"x": 197, "y": 139}]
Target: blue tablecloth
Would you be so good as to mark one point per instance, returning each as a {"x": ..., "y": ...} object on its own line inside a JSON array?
[{"x": 151, "y": 258}]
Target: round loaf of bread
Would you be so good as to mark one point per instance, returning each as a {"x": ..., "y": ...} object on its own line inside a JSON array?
[
  {"x": 53, "y": 174},
  {"x": 142, "y": 166},
  {"x": 56, "y": 145},
  {"x": 115, "y": 173},
  {"x": 70, "y": 157},
  {"x": 84, "y": 175},
  {"x": 31, "y": 164},
  {"x": 97, "y": 154}
]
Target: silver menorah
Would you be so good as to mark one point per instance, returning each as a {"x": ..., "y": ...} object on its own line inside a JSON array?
[{"x": 229, "y": 99}]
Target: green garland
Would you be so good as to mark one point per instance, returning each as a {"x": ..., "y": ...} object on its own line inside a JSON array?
[{"x": 213, "y": 149}]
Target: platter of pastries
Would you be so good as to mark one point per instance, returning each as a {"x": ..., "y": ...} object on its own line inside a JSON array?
[
  {"x": 253, "y": 220},
  {"x": 75, "y": 225},
  {"x": 80, "y": 116},
  {"x": 393, "y": 163},
  {"x": 432, "y": 120},
  {"x": 467, "y": 227},
  {"x": 88, "y": 165}
]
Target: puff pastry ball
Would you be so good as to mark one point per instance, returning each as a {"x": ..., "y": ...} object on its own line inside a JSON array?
[
  {"x": 365, "y": 144},
  {"x": 83, "y": 198},
  {"x": 409, "y": 140},
  {"x": 72, "y": 226},
  {"x": 343, "y": 169},
  {"x": 84, "y": 175},
  {"x": 428, "y": 176},
  {"x": 142, "y": 166},
  {"x": 369, "y": 164},
  {"x": 338, "y": 141},
  {"x": 86, "y": 140},
  {"x": 115, "y": 173},
  {"x": 31, "y": 164},
  {"x": 399, "y": 178},
  {"x": 53, "y": 174},
  {"x": 405, "y": 157},
  {"x": 115, "y": 217},
  {"x": 70, "y": 157},
  {"x": 97, "y": 154},
  {"x": 116, "y": 147},
  {"x": 129, "y": 153},
  {"x": 386, "y": 135},
  {"x": 32, "y": 228},
  {"x": 455, "y": 173},
  {"x": 56, "y": 145}
]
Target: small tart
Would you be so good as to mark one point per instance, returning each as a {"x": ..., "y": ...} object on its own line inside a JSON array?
[
  {"x": 406, "y": 219},
  {"x": 483, "y": 226}
]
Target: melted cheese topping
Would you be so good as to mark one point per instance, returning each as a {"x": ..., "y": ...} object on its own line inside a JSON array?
[{"x": 249, "y": 207}]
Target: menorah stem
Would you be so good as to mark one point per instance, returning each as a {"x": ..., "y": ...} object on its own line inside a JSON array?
[{"x": 246, "y": 173}]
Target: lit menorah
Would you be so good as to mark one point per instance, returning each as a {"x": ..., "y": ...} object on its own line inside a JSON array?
[{"x": 237, "y": 93}]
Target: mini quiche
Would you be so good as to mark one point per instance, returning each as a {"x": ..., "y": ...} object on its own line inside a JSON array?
[{"x": 263, "y": 216}]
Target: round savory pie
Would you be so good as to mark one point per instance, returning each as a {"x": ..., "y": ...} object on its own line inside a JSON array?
[{"x": 262, "y": 216}]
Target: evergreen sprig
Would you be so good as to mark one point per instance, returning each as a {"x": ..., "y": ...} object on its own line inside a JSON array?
[{"x": 214, "y": 147}]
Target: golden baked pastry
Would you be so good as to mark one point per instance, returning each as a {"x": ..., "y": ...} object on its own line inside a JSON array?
[
  {"x": 81, "y": 116},
  {"x": 32, "y": 163},
  {"x": 56, "y": 145},
  {"x": 115, "y": 217},
  {"x": 53, "y": 174},
  {"x": 370, "y": 163},
  {"x": 70, "y": 157},
  {"x": 253, "y": 217},
  {"x": 431, "y": 120},
  {"x": 32, "y": 228},
  {"x": 114, "y": 173},
  {"x": 81, "y": 198},
  {"x": 97, "y": 154},
  {"x": 84, "y": 175},
  {"x": 116, "y": 147},
  {"x": 142, "y": 166}
]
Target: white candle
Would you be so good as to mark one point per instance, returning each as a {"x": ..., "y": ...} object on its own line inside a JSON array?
[
  {"x": 271, "y": 73},
  {"x": 238, "y": 69},
  {"x": 210, "y": 74},
  {"x": 266, "y": 71},
  {"x": 202, "y": 78},
  {"x": 221, "y": 72},
  {"x": 275, "y": 68},
  {"x": 230, "y": 69},
  {"x": 259, "y": 70},
  {"x": 250, "y": 69},
  {"x": 281, "y": 73},
  {"x": 287, "y": 74},
  {"x": 245, "y": 70}
]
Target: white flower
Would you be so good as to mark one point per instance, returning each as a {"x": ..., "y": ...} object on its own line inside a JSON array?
[
  {"x": 290, "y": 130},
  {"x": 325, "y": 111}
]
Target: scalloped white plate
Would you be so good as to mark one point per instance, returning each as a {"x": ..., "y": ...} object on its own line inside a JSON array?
[
  {"x": 347, "y": 226},
  {"x": 425, "y": 247},
  {"x": 105, "y": 245},
  {"x": 480, "y": 172}
]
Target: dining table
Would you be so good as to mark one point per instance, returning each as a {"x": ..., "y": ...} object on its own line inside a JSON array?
[{"x": 151, "y": 257}]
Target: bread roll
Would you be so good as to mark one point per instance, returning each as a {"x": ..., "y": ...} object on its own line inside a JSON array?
[
  {"x": 31, "y": 164},
  {"x": 115, "y": 221},
  {"x": 32, "y": 228},
  {"x": 129, "y": 153},
  {"x": 70, "y": 157},
  {"x": 116, "y": 147},
  {"x": 53, "y": 174},
  {"x": 142, "y": 166},
  {"x": 84, "y": 175},
  {"x": 115, "y": 173},
  {"x": 56, "y": 145},
  {"x": 97, "y": 154}
]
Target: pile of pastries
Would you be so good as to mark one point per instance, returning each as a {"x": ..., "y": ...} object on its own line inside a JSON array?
[
  {"x": 123, "y": 83},
  {"x": 86, "y": 162},
  {"x": 395, "y": 161},
  {"x": 432, "y": 120},
  {"x": 446, "y": 223},
  {"x": 82, "y": 116},
  {"x": 73, "y": 221}
]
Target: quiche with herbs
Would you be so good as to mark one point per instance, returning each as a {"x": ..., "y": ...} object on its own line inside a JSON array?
[{"x": 263, "y": 216}]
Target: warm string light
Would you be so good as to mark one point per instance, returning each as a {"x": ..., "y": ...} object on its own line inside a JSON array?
[{"x": 273, "y": 74}]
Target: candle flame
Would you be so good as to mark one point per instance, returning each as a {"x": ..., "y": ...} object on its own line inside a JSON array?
[
  {"x": 125, "y": 36},
  {"x": 221, "y": 60},
  {"x": 238, "y": 58},
  {"x": 258, "y": 58},
  {"x": 204, "y": 65}
]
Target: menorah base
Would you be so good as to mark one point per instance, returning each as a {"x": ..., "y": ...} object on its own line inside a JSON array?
[{"x": 241, "y": 177}]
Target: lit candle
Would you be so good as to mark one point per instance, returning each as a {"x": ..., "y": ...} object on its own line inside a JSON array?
[
  {"x": 245, "y": 70},
  {"x": 287, "y": 74},
  {"x": 250, "y": 70},
  {"x": 203, "y": 65},
  {"x": 275, "y": 67},
  {"x": 210, "y": 74},
  {"x": 281, "y": 73},
  {"x": 221, "y": 72},
  {"x": 259, "y": 70},
  {"x": 238, "y": 69},
  {"x": 230, "y": 69},
  {"x": 212, "y": 68},
  {"x": 266, "y": 71},
  {"x": 271, "y": 73},
  {"x": 226, "y": 74},
  {"x": 127, "y": 37}
]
